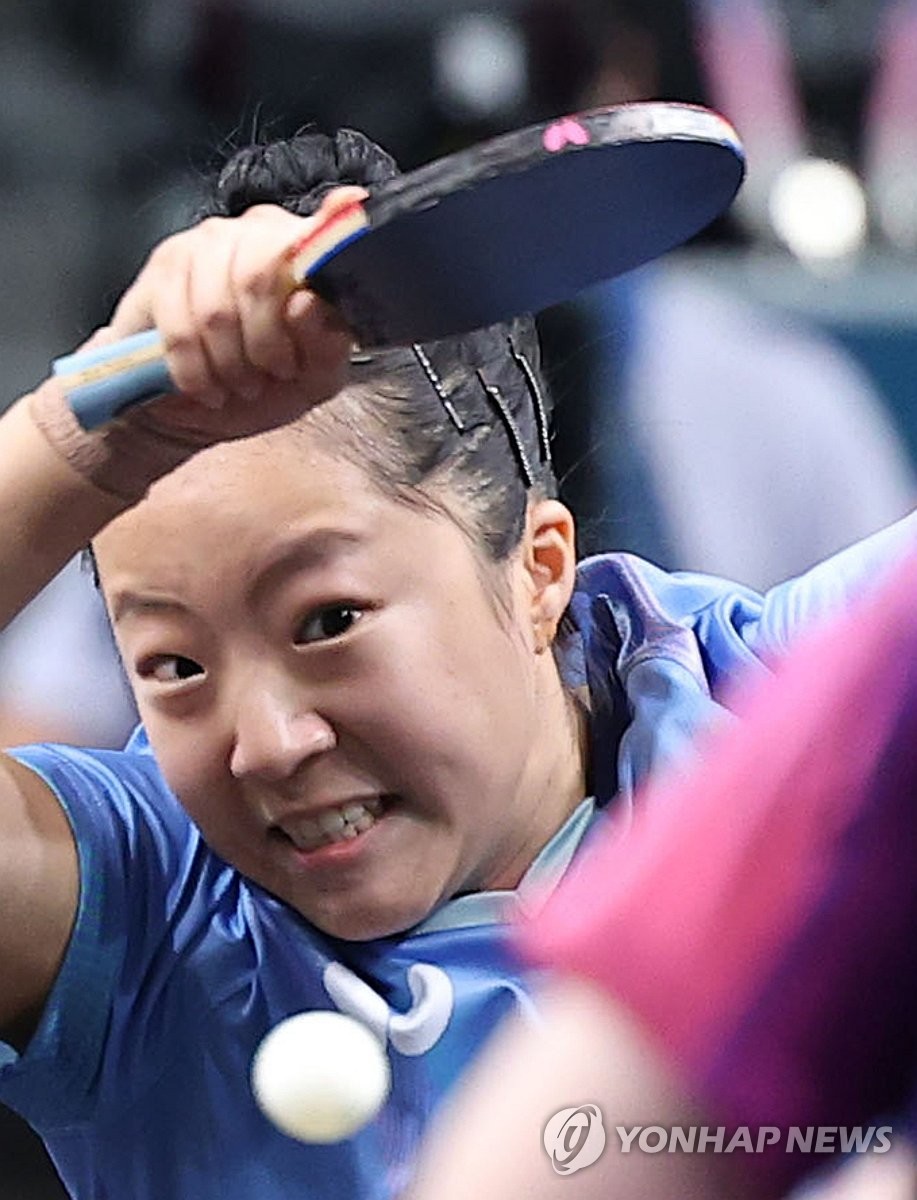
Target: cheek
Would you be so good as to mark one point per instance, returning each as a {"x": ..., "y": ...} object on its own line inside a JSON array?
[
  {"x": 454, "y": 702},
  {"x": 191, "y": 767}
]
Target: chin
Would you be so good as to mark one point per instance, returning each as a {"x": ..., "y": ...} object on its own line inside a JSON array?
[{"x": 365, "y": 922}]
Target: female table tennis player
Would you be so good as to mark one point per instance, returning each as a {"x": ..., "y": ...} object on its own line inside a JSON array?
[{"x": 381, "y": 706}]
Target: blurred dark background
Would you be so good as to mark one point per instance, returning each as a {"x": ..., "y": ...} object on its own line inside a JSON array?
[{"x": 110, "y": 113}]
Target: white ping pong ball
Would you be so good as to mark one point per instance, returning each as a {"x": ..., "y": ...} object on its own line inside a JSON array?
[{"x": 320, "y": 1076}]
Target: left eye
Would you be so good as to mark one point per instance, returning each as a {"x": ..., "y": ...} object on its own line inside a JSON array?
[{"x": 327, "y": 623}]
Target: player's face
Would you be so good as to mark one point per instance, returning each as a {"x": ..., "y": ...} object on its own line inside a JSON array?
[{"x": 332, "y": 687}]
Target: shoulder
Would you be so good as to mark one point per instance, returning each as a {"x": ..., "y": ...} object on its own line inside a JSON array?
[
  {"x": 103, "y": 789},
  {"x": 139, "y": 853},
  {"x": 646, "y": 611}
]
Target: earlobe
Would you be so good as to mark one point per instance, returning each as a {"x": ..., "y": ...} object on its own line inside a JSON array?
[{"x": 551, "y": 565}]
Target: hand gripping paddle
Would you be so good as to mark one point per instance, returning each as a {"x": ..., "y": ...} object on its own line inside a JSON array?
[{"x": 509, "y": 226}]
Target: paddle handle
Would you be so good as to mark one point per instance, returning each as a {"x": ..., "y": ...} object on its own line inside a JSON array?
[
  {"x": 100, "y": 383},
  {"x": 103, "y": 382}
]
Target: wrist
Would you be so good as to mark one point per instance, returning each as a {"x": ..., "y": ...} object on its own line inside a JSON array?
[{"x": 122, "y": 459}]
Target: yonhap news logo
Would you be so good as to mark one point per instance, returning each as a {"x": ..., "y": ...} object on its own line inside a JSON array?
[{"x": 574, "y": 1138}]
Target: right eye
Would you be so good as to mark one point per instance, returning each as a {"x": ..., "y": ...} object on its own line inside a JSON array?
[
  {"x": 169, "y": 668},
  {"x": 328, "y": 623}
]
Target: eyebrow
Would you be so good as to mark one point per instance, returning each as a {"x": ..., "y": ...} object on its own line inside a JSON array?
[
  {"x": 299, "y": 551},
  {"x": 126, "y": 604},
  {"x": 304, "y": 551}
]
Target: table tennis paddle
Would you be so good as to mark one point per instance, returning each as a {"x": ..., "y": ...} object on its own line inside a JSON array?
[{"x": 511, "y": 225}]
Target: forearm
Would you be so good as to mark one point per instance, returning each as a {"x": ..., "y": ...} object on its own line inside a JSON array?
[{"x": 48, "y": 512}]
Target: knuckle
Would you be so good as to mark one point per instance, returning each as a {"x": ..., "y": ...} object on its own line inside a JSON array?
[
  {"x": 216, "y": 320},
  {"x": 186, "y": 361},
  {"x": 255, "y": 279},
  {"x": 178, "y": 342},
  {"x": 211, "y": 227},
  {"x": 257, "y": 213},
  {"x": 167, "y": 252},
  {"x": 191, "y": 377}
]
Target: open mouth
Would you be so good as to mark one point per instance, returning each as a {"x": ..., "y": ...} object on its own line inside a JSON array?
[{"x": 333, "y": 825}]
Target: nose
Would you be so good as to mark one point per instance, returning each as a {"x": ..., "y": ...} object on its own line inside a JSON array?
[{"x": 275, "y": 736}]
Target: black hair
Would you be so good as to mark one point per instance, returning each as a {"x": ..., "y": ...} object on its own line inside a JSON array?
[{"x": 466, "y": 413}]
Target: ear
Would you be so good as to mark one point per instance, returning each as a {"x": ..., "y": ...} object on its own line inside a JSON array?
[{"x": 550, "y": 563}]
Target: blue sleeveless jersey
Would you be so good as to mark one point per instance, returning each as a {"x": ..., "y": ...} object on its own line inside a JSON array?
[{"x": 138, "y": 1076}]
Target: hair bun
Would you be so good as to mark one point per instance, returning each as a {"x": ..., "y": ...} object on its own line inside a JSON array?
[{"x": 297, "y": 172}]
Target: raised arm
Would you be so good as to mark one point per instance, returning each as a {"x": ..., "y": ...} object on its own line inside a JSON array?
[
  {"x": 246, "y": 355},
  {"x": 47, "y": 512},
  {"x": 38, "y": 897}
]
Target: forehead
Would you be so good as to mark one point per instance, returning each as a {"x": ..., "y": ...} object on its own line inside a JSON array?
[{"x": 231, "y": 500}]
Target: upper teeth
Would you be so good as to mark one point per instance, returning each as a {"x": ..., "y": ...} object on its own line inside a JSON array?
[{"x": 334, "y": 824}]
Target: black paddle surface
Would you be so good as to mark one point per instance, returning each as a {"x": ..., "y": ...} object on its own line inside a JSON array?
[{"x": 512, "y": 225}]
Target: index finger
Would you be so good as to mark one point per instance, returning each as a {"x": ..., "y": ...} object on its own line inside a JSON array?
[{"x": 339, "y": 220}]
